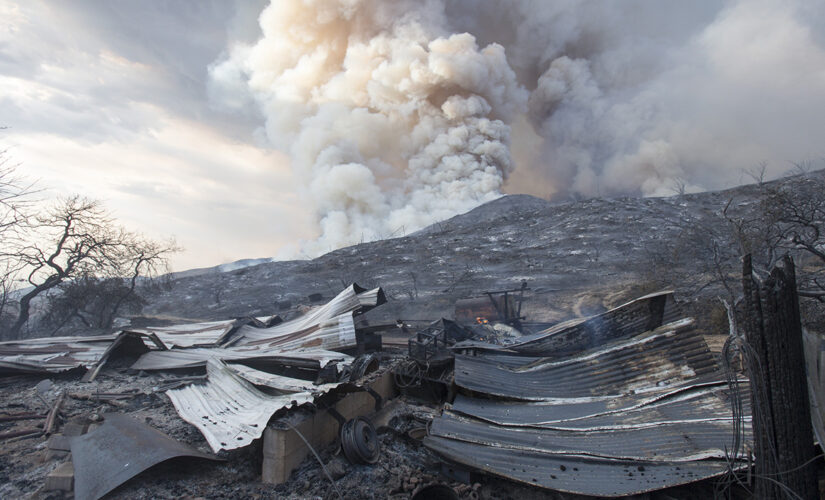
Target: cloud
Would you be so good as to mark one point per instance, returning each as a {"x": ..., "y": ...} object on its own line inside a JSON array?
[
  {"x": 222, "y": 203},
  {"x": 109, "y": 100}
]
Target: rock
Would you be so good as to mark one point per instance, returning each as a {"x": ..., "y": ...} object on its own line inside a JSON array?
[
  {"x": 337, "y": 468},
  {"x": 58, "y": 442}
]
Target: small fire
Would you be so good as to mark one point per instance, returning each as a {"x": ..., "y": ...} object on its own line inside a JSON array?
[{"x": 481, "y": 321}]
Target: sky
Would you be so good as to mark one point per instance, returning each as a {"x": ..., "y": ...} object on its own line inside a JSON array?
[
  {"x": 246, "y": 129},
  {"x": 109, "y": 100}
]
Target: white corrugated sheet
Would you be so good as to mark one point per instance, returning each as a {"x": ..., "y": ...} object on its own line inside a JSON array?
[
  {"x": 329, "y": 326},
  {"x": 229, "y": 411}
]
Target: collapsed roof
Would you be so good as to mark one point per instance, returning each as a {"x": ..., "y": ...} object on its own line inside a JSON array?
[
  {"x": 626, "y": 402},
  {"x": 228, "y": 409}
]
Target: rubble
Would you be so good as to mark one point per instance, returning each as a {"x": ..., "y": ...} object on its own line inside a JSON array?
[
  {"x": 613, "y": 405},
  {"x": 625, "y": 402}
]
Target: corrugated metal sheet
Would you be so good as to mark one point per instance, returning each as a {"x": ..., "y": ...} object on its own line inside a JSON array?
[
  {"x": 675, "y": 441},
  {"x": 279, "y": 382},
  {"x": 669, "y": 356},
  {"x": 52, "y": 354},
  {"x": 689, "y": 403},
  {"x": 197, "y": 357},
  {"x": 633, "y": 413},
  {"x": 193, "y": 334},
  {"x": 329, "y": 326},
  {"x": 229, "y": 411},
  {"x": 637, "y": 316},
  {"x": 336, "y": 332},
  {"x": 369, "y": 298},
  {"x": 575, "y": 474}
]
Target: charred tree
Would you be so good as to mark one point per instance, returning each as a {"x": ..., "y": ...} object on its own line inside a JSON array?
[{"x": 783, "y": 436}]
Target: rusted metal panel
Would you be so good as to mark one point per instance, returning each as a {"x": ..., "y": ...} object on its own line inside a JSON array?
[
  {"x": 118, "y": 450},
  {"x": 582, "y": 475},
  {"x": 635, "y": 317},
  {"x": 672, "y": 355}
]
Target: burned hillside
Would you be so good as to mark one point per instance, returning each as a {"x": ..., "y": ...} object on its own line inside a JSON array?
[
  {"x": 522, "y": 350},
  {"x": 578, "y": 258}
]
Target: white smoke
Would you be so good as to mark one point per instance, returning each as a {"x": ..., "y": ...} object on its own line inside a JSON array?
[
  {"x": 392, "y": 122},
  {"x": 639, "y": 96},
  {"x": 399, "y": 113}
]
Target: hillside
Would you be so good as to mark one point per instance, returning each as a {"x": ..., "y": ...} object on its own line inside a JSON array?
[{"x": 577, "y": 258}]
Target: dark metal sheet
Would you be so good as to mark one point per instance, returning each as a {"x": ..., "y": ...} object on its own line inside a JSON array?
[
  {"x": 576, "y": 474},
  {"x": 814, "y": 346},
  {"x": 678, "y": 441},
  {"x": 117, "y": 451},
  {"x": 672, "y": 355}
]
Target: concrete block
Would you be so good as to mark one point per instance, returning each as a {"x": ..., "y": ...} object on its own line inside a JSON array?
[
  {"x": 284, "y": 450},
  {"x": 75, "y": 428},
  {"x": 62, "y": 478},
  {"x": 58, "y": 442}
]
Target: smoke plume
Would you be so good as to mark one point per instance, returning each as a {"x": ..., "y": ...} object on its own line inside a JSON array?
[{"x": 399, "y": 113}]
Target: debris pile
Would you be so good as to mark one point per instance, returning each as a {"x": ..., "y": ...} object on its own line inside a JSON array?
[
  {"x": 622, "y": 403},
  {"x": 625, "y": 402},
  {"x": 255, "y": 368}
]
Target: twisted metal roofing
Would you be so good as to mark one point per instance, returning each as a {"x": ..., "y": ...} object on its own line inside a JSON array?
[
  {"x": 52, "y": 354},
  {"x": 582, "y": 475},
  {"x": 672, "y": 355},
  {"x": 229, "y": 411},
  {"x": 636, "y": 411},
  {"x": 693, "y": 402}
]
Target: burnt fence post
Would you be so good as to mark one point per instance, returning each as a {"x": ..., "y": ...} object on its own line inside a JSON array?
[{"x": 783, "y": 436}]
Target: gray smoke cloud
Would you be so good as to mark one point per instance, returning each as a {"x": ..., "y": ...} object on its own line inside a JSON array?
[{"x": 399, "y": 113}]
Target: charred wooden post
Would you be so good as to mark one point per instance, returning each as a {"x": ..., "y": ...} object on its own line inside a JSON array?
[{"x": 783, "y": 436}]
